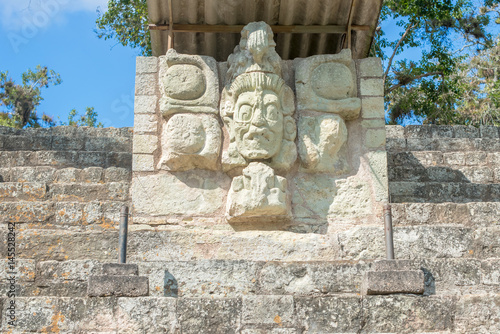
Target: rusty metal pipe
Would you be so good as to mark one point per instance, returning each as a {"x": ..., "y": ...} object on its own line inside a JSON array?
[
  {"x": 122, "y": 238},
  {"x": 389, "y": 242}
]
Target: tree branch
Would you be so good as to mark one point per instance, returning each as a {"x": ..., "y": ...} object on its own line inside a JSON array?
[
  {"x": 34, "y": 83},
  {"x": 464, "y": 47},
  {"x": 413, "y": 79},
  {"x": 410, "y": 26}
]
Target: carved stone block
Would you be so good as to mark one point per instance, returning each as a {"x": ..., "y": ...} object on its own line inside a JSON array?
[
  {"x": 255, "y": 53},
  {"x": 236, "y": 158},
  {"x": 257, "y": 111},
  {"x": 321, "y": 144},
  {"x": 190, "y": 141},
  {"x": 258, "y": 195},
  {"x": 257, "y": 105},
  {"x": 327, "y": 83},
  {"x": 188, "y": 84},
  {"x": 193, "y": 192}
]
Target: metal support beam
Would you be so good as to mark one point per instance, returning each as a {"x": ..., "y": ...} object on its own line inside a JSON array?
[
  {"x": 170, "y": 43},
  {"x": 122, "y": 238},
  {"x": 389, "y": 242},
  {"x": 277, "y": 29},
  {"x": 349, "y": 24}
]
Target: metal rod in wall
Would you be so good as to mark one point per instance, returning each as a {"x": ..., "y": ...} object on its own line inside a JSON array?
[
  {"x": 389, "y": 242},
  {"x": 122, "y": 239}
]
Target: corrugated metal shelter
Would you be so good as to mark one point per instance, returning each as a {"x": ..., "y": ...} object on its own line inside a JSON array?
[{"x": 302, "y": 27}]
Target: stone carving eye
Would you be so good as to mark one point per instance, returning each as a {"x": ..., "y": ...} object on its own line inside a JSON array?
[
  {"x": 272, "y": 112},
  {"x": 244, "y": 113}
]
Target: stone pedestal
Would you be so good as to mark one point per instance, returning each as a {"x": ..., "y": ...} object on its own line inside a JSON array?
[
  {"x": 393, "y": 277},
  {"x": 119, "y": 280}
]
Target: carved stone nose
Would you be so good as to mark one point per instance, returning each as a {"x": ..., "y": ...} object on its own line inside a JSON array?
[{"x": 258, "y": 117}]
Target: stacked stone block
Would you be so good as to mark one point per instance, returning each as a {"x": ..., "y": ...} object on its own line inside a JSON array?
[
  {"x": 145, "y": 120},
  {"x": 442, "y": 164},
  {"x": 443, "y": 182},
  {"x": 63, "y": 188},
  {"x": 65, "y": 201}
]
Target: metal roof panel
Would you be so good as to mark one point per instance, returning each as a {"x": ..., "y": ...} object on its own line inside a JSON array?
[{"x": 273, "y": 12}]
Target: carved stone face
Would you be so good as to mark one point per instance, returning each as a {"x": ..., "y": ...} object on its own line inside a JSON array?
[{"x": 258, "y": 124}]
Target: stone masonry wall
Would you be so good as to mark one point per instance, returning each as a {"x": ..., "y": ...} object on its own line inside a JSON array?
[{"x": 63, "y": 187}]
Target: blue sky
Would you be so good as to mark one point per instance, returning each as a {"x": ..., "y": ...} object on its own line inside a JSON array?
[{"x": 60, "y": 34}]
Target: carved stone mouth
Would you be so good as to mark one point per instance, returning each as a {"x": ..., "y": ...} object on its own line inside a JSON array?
[{"x": 259, "y": 134}]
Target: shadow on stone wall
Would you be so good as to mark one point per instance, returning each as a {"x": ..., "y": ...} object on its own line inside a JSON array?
[{"x": 412, "y": 181}]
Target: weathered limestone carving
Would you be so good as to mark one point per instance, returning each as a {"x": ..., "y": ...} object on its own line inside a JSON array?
[
  {"x": 320, "y": 140},
  {"x": 255, "y": 53},
  {"x": 257, "y": 111},
  {"x": 258, "y": 192},
  {"x": 188, "y": 84},
  {"x": 190, "y": 141},
  {"x": 326, "y": 83},
  {"x": 256, "y": 105},
  {"x": 236, "y": 160}
]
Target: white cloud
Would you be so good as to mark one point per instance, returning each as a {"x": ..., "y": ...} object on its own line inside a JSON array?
[{"x": 17, "y": 14}]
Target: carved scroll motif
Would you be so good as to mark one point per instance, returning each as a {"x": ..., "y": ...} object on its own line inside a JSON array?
[
  {"x": 190, "y": 141},
  {"x": 325, "y": 84},
  {"x": 191, "y": 135},
  {"x": 320, "y": 141},
  {"x": 188, "y": 84}
]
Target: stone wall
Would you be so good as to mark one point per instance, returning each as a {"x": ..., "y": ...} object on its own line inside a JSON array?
[
  {"x": 336, "y": 175},
  {"x": 63, "y": 187}
]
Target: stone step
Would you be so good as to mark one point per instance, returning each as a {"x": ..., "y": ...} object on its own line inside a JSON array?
[
  {"x": 86, "y": 192},
  {"x": 261, "y": 314},
  {"x": 47, "y": 214},
  {"x": 443, "y": 144},
  {"x": 69, "y": 131},
  {"x": 27, "y": 212},
  {"x": 65, "y": 143},
  {"x": 441, "y": 192},
  {"x": 472, "y": 214},
  {"x": 237, "y": 278},
  {"x": 358, "y": 243},
  {"x": 441, "y": 131},
  {"x": 62, "y": 159},
  {"x": 479, "y": 175},
  {"x": 83, "y": 192},
  {"x": 434, "y": 166},
  {"x": 49, "y": 174},
  {"x": 26, "y": 191},
  {"x": 444, "y": 159}
]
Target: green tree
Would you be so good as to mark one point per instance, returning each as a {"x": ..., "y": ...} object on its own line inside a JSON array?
[
  {"x": 87, "y": 119},
  {"x": 127, "y": 22},
  {"x": 18, "y": 102},
  {"x": 479, "y": 102},
  {"x": 443, "y": 32}
]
